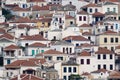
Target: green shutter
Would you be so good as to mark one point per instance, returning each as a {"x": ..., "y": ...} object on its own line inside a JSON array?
[
  {"x": 42, "y": 51},
  {"x": 33, "y": 52},
  {"x": 36, "y": 51}
]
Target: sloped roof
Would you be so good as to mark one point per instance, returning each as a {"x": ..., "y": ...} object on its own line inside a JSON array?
[
  {"x": 85, "y": 25},
  {"x": 36, "y": 44},
  {"x": 109, "y": 32},
  {"x": 100, "y": 70},
  {"x": 85, "y": 53},
  {"x": 76, "y": 38},
  {"x": 11, "y": 47},
  {"x": 82, "y": 12},
  {"x": 35, "y": 0},
  {"x": 27, "y": 77},
  {"x": 2, "y": 30},
  {"x": 102, "y": 50},
  {"x": 38, "y": 8},
  {"x": 6, "y": 35},
  {"x": 62, "y": 42},
  {"x": 53, "y": 52},
  {"x": 114, "y": 75},
  {"x": 17, "y": 8},
  {"x": 98, "y": 14},
  {"x": 90, "y": 5}
]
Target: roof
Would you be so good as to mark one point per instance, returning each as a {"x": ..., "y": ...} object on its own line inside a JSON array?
[
  {"x": 38, "y": 8},
  {"x": 85, "y": 53},
  {"x": 86, "y": 33},
  {"x": 11, "y": 47},
  {"x": 90, "y": 5},
  {"x": 69, "y": 17},
  {"x": 17, "y": 8},
  {"x": 98, "y": 14},
  {"x": 102, "y": 50},
  {"x": 6, "y": 35},
  {"x": 28, "y": 62},
  {"x": 2, "y": 30},
  {"x": 71, "y": 62},
  {"x": 117, "y": 47},
  {"x": 62, "y": 42},
  {"x": 86, "y": 73},
  {"x": 100, "y": 70},
  {"x": 109, "y": 32},
  {"x": 35, "y": 0},
  {"x": 114, "y": 75},
  {"x": 83, "y": 12},
  {"x": 85, "y": 25},
  {"x": 37, "y": 44},
  {"x": 23, "y": 20},
  {"x": 76, "y": 38},
  {"x": 22, "y": 26},
  {"x": 34, "y": 37},
  {"x": 27, "y": 77},
  {"x": 109, "y": 3},
  {"x": 85, "y": 45},
  {"x": 53, "y": 52}
]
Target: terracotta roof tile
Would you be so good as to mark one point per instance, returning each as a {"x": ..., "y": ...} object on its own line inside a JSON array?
[
  {"x": 22, "y": 26},
  {"x": 85, "y": 53},
  {"x": 86, "y": 73},
  {"x": 114, "y": 74},
  {"x": 35, "y": 0},
  {"x": 6, "y": 35},
  {"x": 27, "y": 77},
  {"x": 109, "y": 32},
  {"x": 11, "y": 47},
  {"x": 117, "y": 47},
  {"x": 85, "y": 45},
  {"x": 100, "y": 70},
  {"x": 76, "y": 38},
  {"x": 87, "y": 33},
  {"x": 2, "y": 30},
  {"x": 90, "y": 5},
  {"x": 102, "y": 50},
  {"x": 23, "y": 20},
  {"x": 38, "y": 8},
  {"x": 85, "y": 25},
  {"x": 17, "y": 8},
  {"x": 83, "y": 12},
  {"x": 34, "y": 37},
  {"x": 69, "y": 17},
  {"x": 53, "y": 52},
  {"x": 98, "y": 14},
  {"x": 37, "y": 45}
]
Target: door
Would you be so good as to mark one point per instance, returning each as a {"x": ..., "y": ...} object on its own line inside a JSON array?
[{"x": 33, "y": 52}]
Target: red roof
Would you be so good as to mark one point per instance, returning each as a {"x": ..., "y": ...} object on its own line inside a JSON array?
[
  {"x": 83, "y": 12},
  {"x": 17, "y": 8},
  {"x": 22, "y": 26},
  {"x": 27, "y": 77},
  {"x": 2, "y": 30},
  {"x": 100, "y": 70},
  {"x": 98, "y": 14},
  {"x": 34, "y": 37},
  {"x": 90, "y": 5},
  {"x": 109, "y": 32},
  {"x": 37, "y": 45},
  {"x": 85, "y": 53},
  {"x": 11, "y": 47},
  {"x": 76, "y": 38},
  {"x": 86, "y": 33},
  {"x": 6, "y": 35},
  {"x": 38, "y": 8},
  {"x": 102, "y": 50},
  {"x": 85, "y": 25},
  {"x": 35, "y": 0},
  {"x": 69, "y": 17},
  {"x": 29, "y": 62}
]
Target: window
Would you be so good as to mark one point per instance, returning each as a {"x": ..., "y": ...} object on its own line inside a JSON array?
[
  {"x": 112, "y": 40},
  {"x": 69, "y": 69},
  {"x": 84, "y": 18},
  {"x": 88, "y": 61},
  {"x": 71, "y": 22},
  {"x": 59, "y": 58},
  {"x": 77, "y": 44},
  {"x": 63, "y": 50},
  {"x": 116, "y": 26},
  {"x": 70, "y": 50},
  {"x": 90, "y": 10},
  {"x": 23, "y": 14},
  {"x": 111, "y": 57},
  {"x": 96, "y": 10},
  {"x": 112, "y": 48},
  {"x": 65, "y": 78},
  {"x": 7, "y": 74},
  {"x": 33, "y": 52},
  {"x": 99, "y": 66},
  {"x": 114, "y": 9},
  {"x": 104, "y": 66},
  {"x": 82, "y": 61},
  {"x": 105, "y": 40},
  {"x": 8, "y": 61},
  {"x": 64, "y": 69},
  {"x": 104, "y": 56},
  {"x": 80, "y": 18},
  {"x": 99, "y": 56},
  {"x": 111, "y": 67},
  {"x": 89, "y": 38},
  {"x": 116, "y": 40},
  {"x": 108, "y": 9},
  {"x": 111, "y": 27},
  {"x": 74, "y": 69}
]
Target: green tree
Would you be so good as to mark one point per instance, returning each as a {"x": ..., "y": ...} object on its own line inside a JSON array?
[
  {"x": 75, "y": 77},
  {"x": 7, "y": 14}
]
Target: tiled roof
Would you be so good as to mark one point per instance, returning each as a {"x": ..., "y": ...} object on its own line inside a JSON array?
[
  {"x": 11, "y": 47},
  {"x": 90, "y": 5},
  {"x": 100, "y": 70},
  {"x": 17, "y": 8},
  {"x": 85, "y": 25},
  {"x": 34, "y": 37},
  {"x": 86, "y": 33},
  {"x": 83, "y": 12},
  {"x": 6, "y": 35},
  {"x": 98, "y": 14},
  {"x": 37, "y": 45},
  {"x": 29, "y": 62},
  {"x": 76, "y": 38},
  {"x": 86, "y": 73},
  {"x": 22, "y": 26},
  {"x": 62, "y": 42},
  {"x": 38, "y": 8},
  {"x": 102, "y": 50},
  {"x": 27, "y": 77},
  {"x": 114, "y": 75},
  {"x": 2, "y": 30},
  {"x": 23, "y": 20},
  {"x": 117, "y": 47},
  {"x": 85, "y": 53},
  {"x": 69, "y": 17},
  {"x": 109, "y": 32},
  {"x": 85, "y": 45},
  {"x": 35, "y": 0},
  {"x": 52, "y": 52}
]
